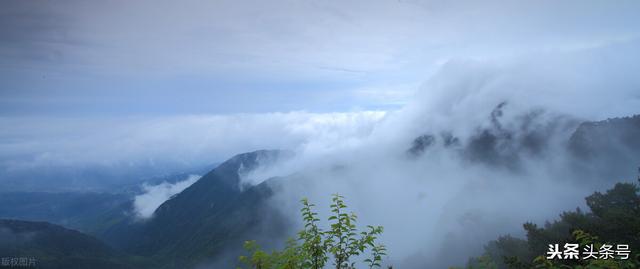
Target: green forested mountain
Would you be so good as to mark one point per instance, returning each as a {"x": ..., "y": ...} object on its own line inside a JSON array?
[
  {"x": 50, "y": 246},
  {"x": 209, "y": 218}
]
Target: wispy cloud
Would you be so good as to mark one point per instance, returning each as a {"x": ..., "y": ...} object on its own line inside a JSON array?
[{"x": 154, "y": 195}]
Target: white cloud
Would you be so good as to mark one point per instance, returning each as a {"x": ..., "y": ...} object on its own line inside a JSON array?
[
  {"x": 154, "y": 195},
  {"x": 33, "y": 142}
]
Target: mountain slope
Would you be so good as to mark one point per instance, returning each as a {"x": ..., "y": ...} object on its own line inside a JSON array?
[
  {"x": 52, "y": 246},
  {"x": 609, "y": 148},
  {"x": 210, "y": 217}
]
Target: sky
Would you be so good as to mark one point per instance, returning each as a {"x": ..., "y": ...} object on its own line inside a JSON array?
[
  {"x": 79, "y": 73},
  {"x": 96, "y": 58}
]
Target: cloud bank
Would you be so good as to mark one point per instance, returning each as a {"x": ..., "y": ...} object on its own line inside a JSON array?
[
  {"x": 102, "y": 154},
  {"x": 199, "y": 139}
]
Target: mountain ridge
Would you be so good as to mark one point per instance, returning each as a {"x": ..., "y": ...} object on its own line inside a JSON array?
[{"x": 206, "y": 218}]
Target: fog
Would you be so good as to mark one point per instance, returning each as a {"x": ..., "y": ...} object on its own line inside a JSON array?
[{"x": 442, "y": 200}]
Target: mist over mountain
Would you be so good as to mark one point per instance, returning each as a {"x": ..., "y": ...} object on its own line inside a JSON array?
[
  {"x": 593, "y": 144},
  {"x": 458, "y": 167},
  {"x": 157, "y": 134},
  {"x": 453, "y": 170},
  {"x": 184, "y": 232},
  {"x": 45, "y": 153},
  {"x": 435, "y": 195},
  {"x": 208, "y": 218},
  {"x": 113, "y": 178},
  {"x": 206, "y": 223}
]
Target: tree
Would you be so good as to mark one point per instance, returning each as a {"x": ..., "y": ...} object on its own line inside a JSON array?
[
  {"x": 342, "y": 242},
  {"x": 613, "y": 218}
]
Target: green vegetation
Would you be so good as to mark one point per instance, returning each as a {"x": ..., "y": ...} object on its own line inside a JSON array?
[
  {"x": 52, "y": 246},
  {"x": 614, "y": 218},
  {"x": 314, "y": 247}
]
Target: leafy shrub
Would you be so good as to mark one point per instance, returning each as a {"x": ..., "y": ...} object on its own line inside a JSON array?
[{"x": 315, "y": 247}]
